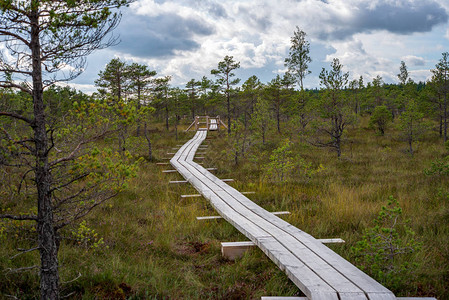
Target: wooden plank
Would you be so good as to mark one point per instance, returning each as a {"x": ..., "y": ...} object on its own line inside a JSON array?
[
  {"x": 277, "y": 213},
  {"x": 235, "y": 250},
  {"x": 247, "y": 193},
  {"x": 178, "y": 181},
  {"x": 169, "y": 171},
  {"x": 332, "y": 241}
]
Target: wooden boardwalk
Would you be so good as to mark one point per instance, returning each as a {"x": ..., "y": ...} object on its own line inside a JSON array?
[{"x": 318, "y": 272}]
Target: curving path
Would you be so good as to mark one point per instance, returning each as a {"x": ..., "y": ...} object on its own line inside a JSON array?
[{"x": 318, "y": 272}]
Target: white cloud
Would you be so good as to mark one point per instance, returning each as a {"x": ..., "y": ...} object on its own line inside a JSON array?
[
  {"x": 369, "y": 37},
  {"x": 414, "y": 60}
]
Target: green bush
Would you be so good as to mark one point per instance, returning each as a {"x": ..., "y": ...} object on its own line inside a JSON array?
[{"x": 385, "y": 249}]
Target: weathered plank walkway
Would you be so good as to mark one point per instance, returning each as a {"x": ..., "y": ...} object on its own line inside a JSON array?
[{"x": 318, "y": 272}]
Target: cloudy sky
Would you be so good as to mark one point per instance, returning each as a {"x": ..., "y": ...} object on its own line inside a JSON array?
[{"x": 187, "y": 38}]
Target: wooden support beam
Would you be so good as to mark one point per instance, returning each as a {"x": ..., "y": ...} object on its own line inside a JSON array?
[
  {"x": 185, "y": 181},
  {"x": 247, "y": 193},
  {"x": 227, "y": 180},
  {"x": 178, "y": 181},
  {"x": 191, "y": 196},
  {"x": 211, "y": 169},
  {"x": 233, "y": 250},
  {"x": 277, "y": 213},
  {"x": 169, "y": 171}
]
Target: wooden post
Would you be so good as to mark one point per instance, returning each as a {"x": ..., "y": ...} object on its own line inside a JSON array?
[
  {"x": 197, "y": 122},
  {"x": 207, "y": 123}
]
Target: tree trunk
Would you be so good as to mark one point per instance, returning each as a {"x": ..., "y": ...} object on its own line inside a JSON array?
[
  {"x": 147, "y": 136},
  {"x": 139, "y": 105},
  {"x": 338, "y": 146},
  {"x": 166, "y": 116},
  {"x": 445, "y": 117},
  {"x": 193, "y": 106},
  {"x": 176, "y": 127},
  {"x": 229, "y": 113},
  {"x": 278, "y": 113},
  {"x": 47, "y": 240}
]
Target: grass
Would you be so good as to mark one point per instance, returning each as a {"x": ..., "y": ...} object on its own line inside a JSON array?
[{"x": 155, "y": 248}]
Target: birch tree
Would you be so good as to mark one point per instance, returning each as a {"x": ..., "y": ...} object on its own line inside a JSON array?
[{"x": 298, "y": 57}]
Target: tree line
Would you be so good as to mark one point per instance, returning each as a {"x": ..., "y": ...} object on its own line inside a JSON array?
[{"x": 320, "y": 114}]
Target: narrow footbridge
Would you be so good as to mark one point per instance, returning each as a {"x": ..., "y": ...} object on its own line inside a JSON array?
[{"x": 318, "y": 272}]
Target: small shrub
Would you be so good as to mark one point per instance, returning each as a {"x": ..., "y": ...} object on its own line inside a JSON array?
[
  {"x": 87, "y": 237},
  {"x": 283, "y": 166},
  {"x": 385, "y": 249},
  {"x": 438, "y": 167}
]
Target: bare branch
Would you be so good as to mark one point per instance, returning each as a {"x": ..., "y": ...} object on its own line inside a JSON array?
[
  {"x": 16, "y": 116},
  {"x": 84, "y": 212},
  {"x": 16, "y": 36},
  {"x": 19, "y": 218},
  {"x": 8, "y": 85},
  {"x": 9, "y": 270},
  {"x": 72, "y": 280},
  {"x": 23, "y": 251}
]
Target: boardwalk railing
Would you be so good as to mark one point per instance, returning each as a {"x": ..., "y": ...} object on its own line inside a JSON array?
[
  {"x": 318, "y": 272},
  {"x": 208, "y": 123}
]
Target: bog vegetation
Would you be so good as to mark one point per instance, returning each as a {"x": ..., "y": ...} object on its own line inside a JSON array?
[{"x": 361, "y": 160}]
